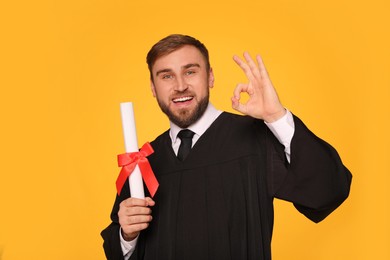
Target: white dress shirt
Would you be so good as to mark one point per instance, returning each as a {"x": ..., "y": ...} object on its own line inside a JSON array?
[{"x": 283, "y": 129}]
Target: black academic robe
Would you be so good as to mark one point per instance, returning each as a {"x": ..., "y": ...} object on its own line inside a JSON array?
[{"x": 218, "y": 202}]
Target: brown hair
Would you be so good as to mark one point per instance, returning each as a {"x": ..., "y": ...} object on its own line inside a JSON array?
[{"x": 172, "y": 43}]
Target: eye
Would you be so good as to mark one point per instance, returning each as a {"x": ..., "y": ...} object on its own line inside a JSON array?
[
  {"x": 167, "y": 76},
  {"x": 190, "y": 72}
]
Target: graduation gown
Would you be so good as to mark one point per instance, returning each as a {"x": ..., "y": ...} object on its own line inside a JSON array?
[{"x": 218, "y": 202}]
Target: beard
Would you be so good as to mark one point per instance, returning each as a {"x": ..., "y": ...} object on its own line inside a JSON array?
[{"x": 184, "y": 117}]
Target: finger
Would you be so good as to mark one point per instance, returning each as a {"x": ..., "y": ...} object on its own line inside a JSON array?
[
  {"x": 135, "y": 223},
  {"x": 245, "y": 67},
  {"x": 252, "y": 65},
  {"x": 131, "y": 211},
  {"x": 263, "y": 70},
  {"x": 133, "y": 220},
  {"x": 236, "y": 105},
  {"x": 131, "y": 202},
  {"x": 150, "y": 201},
  {"x": 241, "y": 87},
  {"x": 237, "y": 96},
  {"x": 131, "y": 229}
]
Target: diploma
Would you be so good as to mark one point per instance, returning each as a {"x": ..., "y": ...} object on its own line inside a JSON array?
[{"x": 131, "y": 145}]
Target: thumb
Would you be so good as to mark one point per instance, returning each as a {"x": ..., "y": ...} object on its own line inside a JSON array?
[
  {"x": 149, "y": 201},
  {"x": 236, "y": 105}
]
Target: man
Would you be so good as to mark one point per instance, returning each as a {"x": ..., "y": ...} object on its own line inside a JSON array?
[{"x": 216, "y": 201}]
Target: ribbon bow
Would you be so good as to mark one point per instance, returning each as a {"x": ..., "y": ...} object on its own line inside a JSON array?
[{"x": 128, "y": 161}]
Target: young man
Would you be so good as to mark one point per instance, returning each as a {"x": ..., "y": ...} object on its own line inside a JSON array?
[{"x": 216, "y": 201}]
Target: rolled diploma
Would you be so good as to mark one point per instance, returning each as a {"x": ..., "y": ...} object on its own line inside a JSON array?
[{"x": 131, "y": 145}]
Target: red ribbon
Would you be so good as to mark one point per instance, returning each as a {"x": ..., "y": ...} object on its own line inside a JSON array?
[{"x": 128, "y": 161}]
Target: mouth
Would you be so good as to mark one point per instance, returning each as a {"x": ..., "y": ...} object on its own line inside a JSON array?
[{"x": 182, "y": 99}]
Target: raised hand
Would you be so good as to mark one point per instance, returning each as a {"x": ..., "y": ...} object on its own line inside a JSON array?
[{"x": 263, "y": 102}]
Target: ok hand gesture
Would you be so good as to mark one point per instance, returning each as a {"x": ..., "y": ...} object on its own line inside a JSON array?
[{"x": 263, "y": 102}]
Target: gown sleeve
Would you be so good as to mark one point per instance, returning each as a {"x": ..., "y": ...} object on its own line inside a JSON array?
[
  {"x": 110, "y": 235},
  {"x": 315, "y": 180}
]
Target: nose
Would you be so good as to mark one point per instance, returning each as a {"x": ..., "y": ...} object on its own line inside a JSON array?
[{"x": 181, "y": 85}]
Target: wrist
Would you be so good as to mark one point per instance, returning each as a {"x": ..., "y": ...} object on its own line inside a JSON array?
[
  {"x": 275, "y": 116},
  {"x": 129, "y": 237}
]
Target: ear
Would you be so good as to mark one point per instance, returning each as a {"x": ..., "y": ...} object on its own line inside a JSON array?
[
  {"x": 211, "y": 78},
  {"x": 153, "y": 88}
]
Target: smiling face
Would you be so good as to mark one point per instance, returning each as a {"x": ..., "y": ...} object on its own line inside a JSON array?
[{"x": 181, "y": 85}]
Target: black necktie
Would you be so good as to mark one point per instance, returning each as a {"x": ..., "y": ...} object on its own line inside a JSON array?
[{"x": 186, "y": 143}]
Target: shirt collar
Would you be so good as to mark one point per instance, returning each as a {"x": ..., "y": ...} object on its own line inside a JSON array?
[{"x": 200, "y": 126}]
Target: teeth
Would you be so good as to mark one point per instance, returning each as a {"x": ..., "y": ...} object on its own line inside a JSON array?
[{"x": 182, "y": 99}]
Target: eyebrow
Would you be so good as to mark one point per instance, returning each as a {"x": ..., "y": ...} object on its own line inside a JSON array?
[
  {"x": 162, "y": 71},
  {"x": 191, "y": 65},
  {"x": 187, "y": 66}
]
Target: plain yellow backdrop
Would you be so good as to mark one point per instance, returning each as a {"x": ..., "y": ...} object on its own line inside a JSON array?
[{"x": 66, "y": 66}]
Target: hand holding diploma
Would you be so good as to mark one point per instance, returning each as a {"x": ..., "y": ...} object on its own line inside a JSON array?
[{"x": 134, "y": 216}]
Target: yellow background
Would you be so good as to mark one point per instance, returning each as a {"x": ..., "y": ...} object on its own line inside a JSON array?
[{"x": 66, "y": 66}]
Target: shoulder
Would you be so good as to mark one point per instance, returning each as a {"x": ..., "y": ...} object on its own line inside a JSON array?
[
  {"x": 161, "y": 140},
  {"x": 240, "y": 122},
  {"x": 238, "y": 129}
]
